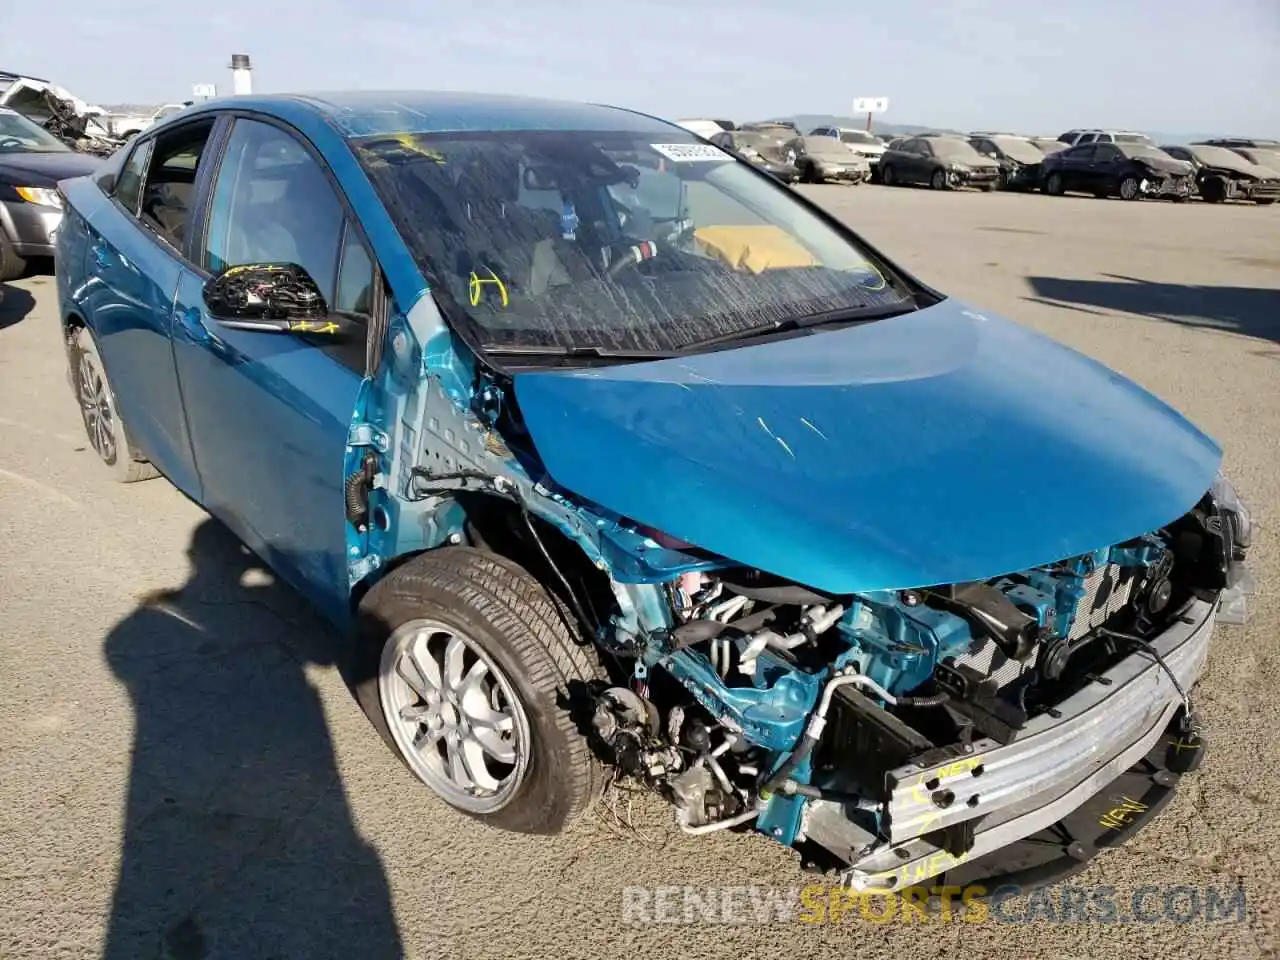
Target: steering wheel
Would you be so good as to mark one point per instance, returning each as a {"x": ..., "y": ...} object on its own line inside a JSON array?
[
  {"x": 10, "y": 142},
  {"x": 630, "y": 255}
]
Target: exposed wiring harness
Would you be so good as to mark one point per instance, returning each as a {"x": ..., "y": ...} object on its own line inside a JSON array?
[{"x": 424, "y": 479}]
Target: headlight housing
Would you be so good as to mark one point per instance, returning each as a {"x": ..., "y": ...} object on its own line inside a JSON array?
[
  {"x": 44, "y": 196},
  {"x": 1228, "y": 499}
]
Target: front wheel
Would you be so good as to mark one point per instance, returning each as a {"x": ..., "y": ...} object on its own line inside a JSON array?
[
  {"x": 12, "y": 266},
  {"x": 1054, "y": 186},
  {"x": 474, "y": 680},
  {"x": 887, "y": 176},
  {"x": 1130, "y": 188},
  {"x": 939, "y": 180},
  {"x": 1264, "y": 203}
]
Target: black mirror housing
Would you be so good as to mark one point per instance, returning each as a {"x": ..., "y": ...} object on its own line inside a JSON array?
[{"x": 280, "y": 297}]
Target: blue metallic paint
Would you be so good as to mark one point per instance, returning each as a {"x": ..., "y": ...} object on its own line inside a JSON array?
[{"x": 939, "y": 446}]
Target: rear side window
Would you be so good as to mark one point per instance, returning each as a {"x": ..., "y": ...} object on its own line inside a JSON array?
[
  {"x": 168, "y": 195},
  {"x": 128, "y": 190}
]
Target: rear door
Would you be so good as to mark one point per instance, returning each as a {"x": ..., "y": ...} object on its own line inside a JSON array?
[
  {"x": 136, "y": 252},
  {"x": 270, "y": 413}
]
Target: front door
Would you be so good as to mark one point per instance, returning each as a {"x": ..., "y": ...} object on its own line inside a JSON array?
[{"x": 269, "y": 413}]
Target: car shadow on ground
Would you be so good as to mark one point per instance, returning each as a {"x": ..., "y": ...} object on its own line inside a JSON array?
[
  {"x": 238, "y": 840},
  {"x": 1252, "y": 311},
  {"x": 15, "y": 304}
]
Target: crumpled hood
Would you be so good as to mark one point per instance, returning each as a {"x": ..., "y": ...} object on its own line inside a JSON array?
[
  {"x": 940, "y": 446},
  {"x": 1168, "y": 165}
]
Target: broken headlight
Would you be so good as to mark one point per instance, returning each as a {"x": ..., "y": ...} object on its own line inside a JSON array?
[{"x": 1229, "y": 502}]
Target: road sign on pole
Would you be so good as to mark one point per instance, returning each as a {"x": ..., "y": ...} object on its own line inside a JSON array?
[{"x": 870, "y": 106}]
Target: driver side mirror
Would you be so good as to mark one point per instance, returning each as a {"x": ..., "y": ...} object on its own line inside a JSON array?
[{"x": 270, "y": 298}]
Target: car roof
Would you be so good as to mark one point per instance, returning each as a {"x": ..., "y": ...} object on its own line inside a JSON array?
[{"x": 359, "y": 113}]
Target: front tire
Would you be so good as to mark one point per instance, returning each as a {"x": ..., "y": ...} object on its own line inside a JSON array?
[
  {"x": 1054, "y": 186},
  {"x": 472, "y": 677},
  {"x": 1130, "y": 188},
  {"x": 108, "y": 434},
  {"x": 939, "y": 179},
  {"x": 887, "y": 177},
  {"x": 12, "y": 266}
]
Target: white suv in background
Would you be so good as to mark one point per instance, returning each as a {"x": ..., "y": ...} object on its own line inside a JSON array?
[{"x": 1076, "y": 137}]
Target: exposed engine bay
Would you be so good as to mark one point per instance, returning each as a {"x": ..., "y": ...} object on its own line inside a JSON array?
[{"x": 783, "y": 695}]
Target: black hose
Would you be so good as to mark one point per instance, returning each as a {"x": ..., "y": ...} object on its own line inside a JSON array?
[
  {"x": 789, "y": 765},
  {"x": 933, "y": 700}
]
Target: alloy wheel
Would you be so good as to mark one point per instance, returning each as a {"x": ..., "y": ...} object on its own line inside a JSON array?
[
  {"x": 454, "y": 715},
  {"x": 97, "y": 407}
]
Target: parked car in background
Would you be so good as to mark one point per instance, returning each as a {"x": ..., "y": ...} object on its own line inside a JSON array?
[
  {"x": 822, "y": 159},
  {"x": 942, "y": 162},
  {"x": 129, "y": 125},
  {"x": 1078, "y": 137},
  {"x": 1131, "y": 171},
  {"x": 1223, "y": 174},
  {"x": 782, "y": 130},
  {"x": 32, "y": 161},
  {"x": 78, "y": 124},
  {"x": 760, "y": 149},
  {"x": 706, "y": 128},
  {"x": 1260, "y": 152},
  {"x": 866, "y": 145},
  {"x": 1018, "y": 157}
]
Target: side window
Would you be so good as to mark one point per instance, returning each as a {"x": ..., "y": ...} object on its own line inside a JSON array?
[
  {"x": 1088, "y": 138},
  {"x": 168, "y": 192},
  {"x": 273, "y": 203},
  {"x": 924, "y": 148},
  {"x": 1106, "y": 154},
  {"x": 985, "y": 147},
  {"x": 128, "y": 189},
  {"x": 909, "y": 146},
  {"x": 354, "y": 295}
]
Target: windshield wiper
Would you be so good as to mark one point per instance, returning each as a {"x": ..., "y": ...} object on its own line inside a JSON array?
[
  {"x": 591, "y": 351},
  {"x": 849, "y": 315}
]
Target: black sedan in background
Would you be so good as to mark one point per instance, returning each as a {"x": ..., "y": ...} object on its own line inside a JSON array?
[
  {"x": 942, "y": 162},
  {"x": 764, "y": 149},
  {"x": 1131, "y": 171},
  {"x": 1223, "y": 174},
  {"x": 1019, "y": 159},
  {"x": 32, "y": 161}
]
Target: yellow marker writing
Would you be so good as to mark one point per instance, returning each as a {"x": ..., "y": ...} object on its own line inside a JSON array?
[{"x": 478, "y": 283}]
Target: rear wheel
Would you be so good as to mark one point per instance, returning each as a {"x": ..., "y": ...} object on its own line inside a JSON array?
[
  {"x": 12, "y": 266},
  {"x": 106, "y": 429},
  {"x": 472, "y": 677}
]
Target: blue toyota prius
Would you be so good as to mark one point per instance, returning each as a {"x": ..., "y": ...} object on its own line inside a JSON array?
[{"x": 606, "y": 448}]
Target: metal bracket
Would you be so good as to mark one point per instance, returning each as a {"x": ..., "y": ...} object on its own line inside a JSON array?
[{"x": 367, "y": 435}]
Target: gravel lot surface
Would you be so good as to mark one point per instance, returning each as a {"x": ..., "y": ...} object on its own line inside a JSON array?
[{"x": 183, "y": 774}]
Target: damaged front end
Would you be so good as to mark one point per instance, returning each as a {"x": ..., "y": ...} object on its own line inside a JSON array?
[{"x": 77, "y": 124}]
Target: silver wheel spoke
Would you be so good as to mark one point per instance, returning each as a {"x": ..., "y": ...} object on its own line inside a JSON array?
[
  {"x": 473, "y": 761},
  {"x": 490, "y": 740},
  {"x": 453, "y": 656}
]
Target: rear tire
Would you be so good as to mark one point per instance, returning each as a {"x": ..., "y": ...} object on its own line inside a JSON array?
[
  {"x": 107, "y": 432},
  {"x": 12, "y": 266},
  {"x": 536, "y": 773}
]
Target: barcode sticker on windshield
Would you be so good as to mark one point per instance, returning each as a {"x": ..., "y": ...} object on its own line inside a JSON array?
[{"x": 690, "y": 152}]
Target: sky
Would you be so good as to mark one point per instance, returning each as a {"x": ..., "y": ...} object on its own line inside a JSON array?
[{"x": 1160, "y": 65}]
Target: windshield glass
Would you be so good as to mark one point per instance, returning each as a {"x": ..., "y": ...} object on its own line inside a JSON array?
[
  {"x": 1217, "y": 156},
  {"x": 20, "y": 135},
  {"x": 954, "y": 148},
  {"x": 1143, "y": 150},
  {"x": 1024, "y": 151},
  {"x": 857, "y": 136},
  {"x": 578, "y": 239}
]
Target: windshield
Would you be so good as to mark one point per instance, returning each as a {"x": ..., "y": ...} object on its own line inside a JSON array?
[
  {"x": 1262, "y": 156},
  {"x": 857, "y": 136},
  {"x": 20, "y": 135},
  {"x": 1217, "y": 156},
  {"x": 1143, "y": 150},
  {"x": 561, "y": 239},
  {"x": 825, "y": 147},
  {"x": 1024, "y": 151},
  {"x": 954, "y": 149}
]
